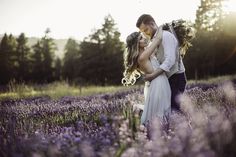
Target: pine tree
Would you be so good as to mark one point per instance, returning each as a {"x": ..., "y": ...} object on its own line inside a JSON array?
[
  {"x": 48, "y": 50},
  {"x": 213, "y": 46},
  {"x": 58, "y": 69},
  {"x": 37, "y": 62},
  {"x": 8, "y": 59},
  {"x": 70, "y": 59},
  {"x": 101, "y": 60},
  {"x": 43, "y": 59},
  {"x": 23, "y": 57}
]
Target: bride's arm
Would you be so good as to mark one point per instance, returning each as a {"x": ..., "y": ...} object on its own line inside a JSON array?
[{"x": 150, "y": 49}]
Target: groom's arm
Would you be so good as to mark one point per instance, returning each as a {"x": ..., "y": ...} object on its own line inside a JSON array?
[
  {"x": 169, "y": 43},
  {"x": 150, "y": 77}
]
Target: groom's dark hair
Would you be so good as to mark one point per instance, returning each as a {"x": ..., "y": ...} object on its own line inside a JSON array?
[{"x": 145, "y": 19}]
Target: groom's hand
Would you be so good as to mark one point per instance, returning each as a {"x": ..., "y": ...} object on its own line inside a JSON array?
[
  {"x": 148, "y": 77},
  {"x": 156, "y": 73}
]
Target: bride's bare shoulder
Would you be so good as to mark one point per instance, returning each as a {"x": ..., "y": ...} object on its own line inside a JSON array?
[{"x": 142, "y": 58}]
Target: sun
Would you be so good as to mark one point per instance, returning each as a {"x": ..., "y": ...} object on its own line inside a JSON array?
[{"x": 230, "y": 6}]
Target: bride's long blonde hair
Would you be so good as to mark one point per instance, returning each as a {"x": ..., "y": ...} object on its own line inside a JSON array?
[{"x": 131, "y": 72}]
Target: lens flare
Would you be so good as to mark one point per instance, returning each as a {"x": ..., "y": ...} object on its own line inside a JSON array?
[{"x": 230, "y": 6}]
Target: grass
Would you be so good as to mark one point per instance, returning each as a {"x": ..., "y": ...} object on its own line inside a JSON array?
[
  {"x": 55, "y": 90},
  {"x": 59, "y": 89},
  {"x": 214, "y": 80}
]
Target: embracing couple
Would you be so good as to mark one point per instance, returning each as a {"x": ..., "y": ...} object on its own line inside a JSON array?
[{"x": 156, "y": 53}]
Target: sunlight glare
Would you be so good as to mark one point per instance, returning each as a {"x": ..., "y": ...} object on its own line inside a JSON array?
[{"x": 230, "y": 6}]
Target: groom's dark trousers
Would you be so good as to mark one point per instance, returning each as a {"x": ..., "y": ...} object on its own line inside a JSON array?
[{"x": 177, "y": 85}]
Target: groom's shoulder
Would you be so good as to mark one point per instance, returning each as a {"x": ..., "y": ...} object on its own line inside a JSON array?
[{"x": 167, "y": 35}]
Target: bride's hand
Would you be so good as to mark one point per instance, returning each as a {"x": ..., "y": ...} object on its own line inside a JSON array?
[
  {"x": 158, "y": 38},
  {"x": 159, "y": 34}
]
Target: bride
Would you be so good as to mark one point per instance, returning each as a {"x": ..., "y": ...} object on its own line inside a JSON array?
[{"x": 140, "y": 59}]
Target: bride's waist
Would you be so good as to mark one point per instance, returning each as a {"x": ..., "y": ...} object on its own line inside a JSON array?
[{"x": 161, "y": 76}]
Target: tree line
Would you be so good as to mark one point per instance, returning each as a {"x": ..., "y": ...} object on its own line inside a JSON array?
[
  {"x": 213, "y": 51},
  {"x": 98, "y": 59}
]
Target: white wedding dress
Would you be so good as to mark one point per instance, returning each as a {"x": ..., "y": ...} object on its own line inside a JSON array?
[{"x": 157, "y": 95}]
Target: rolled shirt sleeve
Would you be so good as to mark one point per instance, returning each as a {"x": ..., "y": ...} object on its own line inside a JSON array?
[{"x": 169, "y": 43}]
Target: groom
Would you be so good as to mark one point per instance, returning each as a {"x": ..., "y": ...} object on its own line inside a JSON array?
[{"x": 171, "y": 61}]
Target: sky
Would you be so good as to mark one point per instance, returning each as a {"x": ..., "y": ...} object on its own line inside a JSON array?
[{"x": 77, "y": 18}]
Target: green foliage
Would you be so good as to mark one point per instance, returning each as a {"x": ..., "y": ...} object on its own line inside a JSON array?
[
  {"x": 213, "y": 52},
  {"x": 37, "y": 61},
  {"x": 58, "y": 69},
  {"x": 43, "y": 59},
  {"x": 8, "y": 58},
  {"x": 23, "y": 58},
  {"x": 101, "y": 60},
  {"x": 70, "y": 59},
  {"x": 54, "y": 90},
  {"x": 98, "y": 59}
]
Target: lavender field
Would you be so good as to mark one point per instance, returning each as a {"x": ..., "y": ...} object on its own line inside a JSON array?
[{"x": 108, "y": 125}]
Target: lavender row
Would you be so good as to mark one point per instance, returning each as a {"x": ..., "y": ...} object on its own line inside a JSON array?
[{"x": 207, "y": 127}]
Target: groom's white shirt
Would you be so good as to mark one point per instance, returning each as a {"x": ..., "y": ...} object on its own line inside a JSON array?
[{"x": 168, "y": 54}]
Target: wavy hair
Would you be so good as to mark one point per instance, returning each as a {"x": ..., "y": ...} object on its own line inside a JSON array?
[
  {"x": 131, "y": 72},
  {"x": 184, "y": 32}
]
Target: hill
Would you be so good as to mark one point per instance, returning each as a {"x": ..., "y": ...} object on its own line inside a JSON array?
[{"x": 60, "y": 43}]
